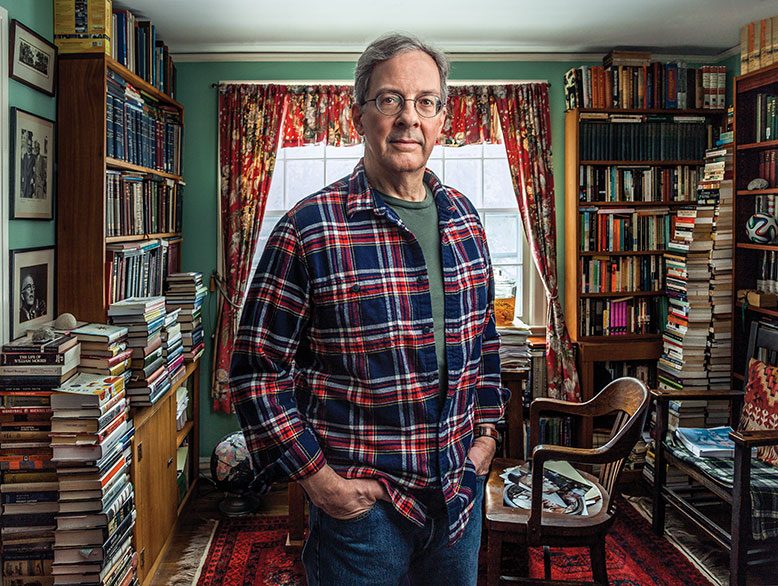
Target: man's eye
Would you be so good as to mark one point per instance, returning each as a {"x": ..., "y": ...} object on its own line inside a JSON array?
[
  {"x": 426, "y": 101},
  {"x": 390, "y": 99}
]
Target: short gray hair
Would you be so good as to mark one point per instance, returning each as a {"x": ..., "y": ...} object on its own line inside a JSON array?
[{"x": 391, "y": 45}]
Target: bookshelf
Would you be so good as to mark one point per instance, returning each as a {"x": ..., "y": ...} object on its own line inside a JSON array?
[
  {"x": 755, "y": 156},
  {"x": 623, "y": 183},
  {"x": 118, "y": 235}
]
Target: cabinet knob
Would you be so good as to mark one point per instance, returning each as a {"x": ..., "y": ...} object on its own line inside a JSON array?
[{"x": 170, "y": 461}]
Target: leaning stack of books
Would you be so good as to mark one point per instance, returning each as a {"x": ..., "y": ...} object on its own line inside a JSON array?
[
  {"x": 91, "y": 437},
  {"x": 173, "y": 345},
  {"x": 685, "y": 337},
  {"x": 104, "y": 349},
  {"x": 29, "y": 370},
  {"x": 185, "y": 291},
  {"x": 144, "y": 317}
]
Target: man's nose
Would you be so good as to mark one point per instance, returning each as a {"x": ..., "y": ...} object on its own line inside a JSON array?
[{"x": 408, "y": 114}]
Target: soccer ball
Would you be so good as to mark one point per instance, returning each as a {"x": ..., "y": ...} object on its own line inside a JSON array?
[{"x": 762, "y": 228}]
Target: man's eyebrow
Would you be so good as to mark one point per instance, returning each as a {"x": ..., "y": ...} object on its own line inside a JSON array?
[{"x": 394, "y": 90}]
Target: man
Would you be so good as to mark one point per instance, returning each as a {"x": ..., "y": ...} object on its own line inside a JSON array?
[
  {"x": 28, "y": 167},
  {"x": 40, "y": 171},
  {"x": 366, "y": 364},
  {"x": 31, "y": 306}
]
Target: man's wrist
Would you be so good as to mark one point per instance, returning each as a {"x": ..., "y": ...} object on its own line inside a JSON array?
[{"x": 488, "y": 431}]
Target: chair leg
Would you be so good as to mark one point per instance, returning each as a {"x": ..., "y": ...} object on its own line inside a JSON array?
[
  {"x": 546, "y": 562},
  {"x": 597, "y": 553},
  {"x": 493, "y": 557}
]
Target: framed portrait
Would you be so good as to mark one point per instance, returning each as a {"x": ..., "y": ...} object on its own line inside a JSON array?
[
  {"x": 32, "y": 59},
  {"x": 32, "y": 289},
  {"x": 32, "y": 166}
]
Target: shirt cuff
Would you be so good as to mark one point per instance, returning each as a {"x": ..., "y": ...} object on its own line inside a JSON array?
[
  {"x": 491, "y": 403},
  {"x": 303, "y": 458}
]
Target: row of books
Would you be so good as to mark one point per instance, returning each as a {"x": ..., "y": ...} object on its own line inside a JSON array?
[
  {"x": 642, "y": 138},
  {"x": 139, "y": 130},
  {"x": 623, "y": 316},
  {"x": 139, "y": 269},
  {"x": 767, "y": 168},
  {"x": 141, "y": 204},
  {"x": 186, "y": 293},
  {"x": 617, "y": 183},
  {"x": 758, "y": 44},
  {"x": 766, "y": 121},
  {"x": 648, "y": 85},
  {"x": 624, "y": 229},
  {"x": 767, "y": 279},
  {"x": 622, "y": 274},
  {"x": 135, "y": 45}
]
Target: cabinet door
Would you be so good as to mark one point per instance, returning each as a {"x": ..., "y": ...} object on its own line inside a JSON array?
[{"x": 154, "y": 485}]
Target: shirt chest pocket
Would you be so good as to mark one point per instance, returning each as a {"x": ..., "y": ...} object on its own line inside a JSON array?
[
  {"x": 475, "y": 290},
  {"x": 355, "y": 304}
]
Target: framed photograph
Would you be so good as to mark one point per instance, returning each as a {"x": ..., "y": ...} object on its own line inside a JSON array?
[
  {"x": 33, "y": 60},
  {"x": 32, "y": 289},
  {"x": 32, "y": 166}
]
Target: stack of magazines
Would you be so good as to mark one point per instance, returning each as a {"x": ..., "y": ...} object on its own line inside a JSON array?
[{"x": 564, "y": 489}]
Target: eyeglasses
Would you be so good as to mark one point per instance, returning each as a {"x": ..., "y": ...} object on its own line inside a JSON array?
[{"x": 391, "y": 104}]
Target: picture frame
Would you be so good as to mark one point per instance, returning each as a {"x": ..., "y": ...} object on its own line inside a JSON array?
[
  {"x": 32, "y": 59},
  {"x": 32, "y": 289},
  {"x": 32, "y": 166}
]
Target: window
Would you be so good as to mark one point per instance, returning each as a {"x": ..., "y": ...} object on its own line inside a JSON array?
[{"x": 479, "y": 171}]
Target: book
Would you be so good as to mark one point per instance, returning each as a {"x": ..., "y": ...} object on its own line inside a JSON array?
[
  {"x": 86, "y": 390},
  {"x": 53, "y": 346},
  {"x": 713, "y": 442},
  {"x": 96, "y": 332}
]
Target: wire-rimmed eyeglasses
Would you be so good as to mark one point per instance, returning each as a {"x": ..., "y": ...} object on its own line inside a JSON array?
[{"x": 391, "y": 104}]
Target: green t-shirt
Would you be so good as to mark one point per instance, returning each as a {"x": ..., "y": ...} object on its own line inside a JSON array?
[{"x": 421, "y": 218}]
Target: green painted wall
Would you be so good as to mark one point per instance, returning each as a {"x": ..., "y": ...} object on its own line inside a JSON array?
[{"x": 37, "y": 15}]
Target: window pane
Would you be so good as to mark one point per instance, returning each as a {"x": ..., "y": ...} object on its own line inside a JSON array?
[
  {"x": 302, "y": 179},
  {"x": 436, "y": 166},
  {"x": 348, "y": 152},
  {"x": 498, "y": 188},
  {"x": 337, "y": 168},
  {"x": 468, "y": 151},
  {"x": 502, "y": 235},
  {"x": 465, "y": 175},
  {"x": 437, "y": 152},
  {"x": 275, "y": 197},
  {"x": 494, "y": 151},
  {"x": 305, "y": 152}
]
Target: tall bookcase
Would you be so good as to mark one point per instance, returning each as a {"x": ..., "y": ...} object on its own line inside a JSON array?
[
  {"x": 755, "y": 156},
  {"x": 637, "y": 174},
  {"x": 88, "y": 251}
]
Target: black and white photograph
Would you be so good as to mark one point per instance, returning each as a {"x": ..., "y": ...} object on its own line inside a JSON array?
[
  {"x": 32, "y": 289},
  {"x": 33, "y": 59},
  {"x": 32, "y": 165}
]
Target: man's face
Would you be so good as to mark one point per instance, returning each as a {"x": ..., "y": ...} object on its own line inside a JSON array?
[
  {"x": 28, "y": 291},
  {"x": 401, "y": 143}
]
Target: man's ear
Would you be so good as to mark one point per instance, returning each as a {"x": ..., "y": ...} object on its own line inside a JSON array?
[{"x": 356, "y": 117}]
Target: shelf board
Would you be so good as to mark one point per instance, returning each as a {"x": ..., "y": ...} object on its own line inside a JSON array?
[
  {"x": 112, "y": 163},
  {"x": 622, "y": 294},
  {"x": 621, "y": 253},
  {"x": 751, "y": 146},
  {"x": 635, "y": 204},
  {"x": 140, "y": 237},
  {"x": 624, "y": 338},
  {"x": 768, "y": 191},
  {"x": 649, "y": 163},
  {"x": 139, "y": 83},
  {"x": 181, "y": 435},
  {"x": 747, "y": 246},
  {"x": 695, "y": 112},
  {"x": 762, "y": 310}
]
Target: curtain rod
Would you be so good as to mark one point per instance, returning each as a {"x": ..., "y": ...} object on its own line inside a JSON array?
[{"x": 351, "y": 82}]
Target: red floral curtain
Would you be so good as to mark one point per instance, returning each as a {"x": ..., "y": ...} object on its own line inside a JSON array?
[
  {"x": 526, "y": 125},
  {"x": 250, "y": 119},
  {"x": 319, "y": 114},
  {"x": 472, "y": 117}
]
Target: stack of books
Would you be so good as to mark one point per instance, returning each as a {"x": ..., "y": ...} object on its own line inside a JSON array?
[
  {"x": 173, "y": 345},
  {"x": 104, "y": 349},
  {"x": 29, "y": 490},
  {"x": 514, "y": 351},
  {"x": 144, "y": 318},
  {"x": 685, "y": 336},
  {"x": 185, "y": 291},
  {"x": 91, "y": 437}
]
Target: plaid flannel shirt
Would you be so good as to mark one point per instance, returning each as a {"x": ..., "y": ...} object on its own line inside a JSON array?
[{"x": 334, "y": 361}]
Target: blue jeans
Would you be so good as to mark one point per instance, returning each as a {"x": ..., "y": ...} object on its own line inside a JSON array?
[{"x": 383, "y": 548}]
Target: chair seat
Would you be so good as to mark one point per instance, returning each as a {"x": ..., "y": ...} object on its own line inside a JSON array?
[
  {"x": 764, "y": 485},
  {"x": 513, "y": 518}
]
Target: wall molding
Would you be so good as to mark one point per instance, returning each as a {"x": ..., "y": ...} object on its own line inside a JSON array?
[{"x": 5, "y": 203}]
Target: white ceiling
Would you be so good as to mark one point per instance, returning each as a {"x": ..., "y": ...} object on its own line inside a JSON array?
[{"x": 690, "y": 27}]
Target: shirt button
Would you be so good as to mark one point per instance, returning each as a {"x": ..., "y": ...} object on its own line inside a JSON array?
[
  {"x": 426, "y": 329},
  {"x": 420, "y": 279},
  {"x": 355, "y": 288}
]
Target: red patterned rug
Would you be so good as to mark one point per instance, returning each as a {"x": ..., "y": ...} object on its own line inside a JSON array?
[{"x": 249, "y": 551}]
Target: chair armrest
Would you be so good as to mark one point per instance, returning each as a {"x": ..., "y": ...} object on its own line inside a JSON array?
[
  {"x": 755, "y": 438},
  {"x": 546, "y": 452},
  {"x": 546, "y": 405},
  {"x": 682, "y": 394}
]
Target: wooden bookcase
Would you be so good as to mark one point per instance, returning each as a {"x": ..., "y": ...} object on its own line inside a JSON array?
[
  {"x": 82, "y": 282},
  {"x": 748, "y": 256},
  {"x": 634, "y": 348}
]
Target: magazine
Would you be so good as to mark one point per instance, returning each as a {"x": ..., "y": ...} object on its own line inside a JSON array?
[
  {"x": 564, "y": 489},
  {"x": 707, "y": 442}
]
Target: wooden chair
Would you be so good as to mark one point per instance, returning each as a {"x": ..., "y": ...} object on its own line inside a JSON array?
[
  {"x": 717, "y": 484},
  {"x": 628, "y": 398}
]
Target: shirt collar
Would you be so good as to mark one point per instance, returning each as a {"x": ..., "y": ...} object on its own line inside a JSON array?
[{"x": 362, "y": 197}]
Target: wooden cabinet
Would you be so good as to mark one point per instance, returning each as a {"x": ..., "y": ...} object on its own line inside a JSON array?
[{"x": 756, "y": 155}]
